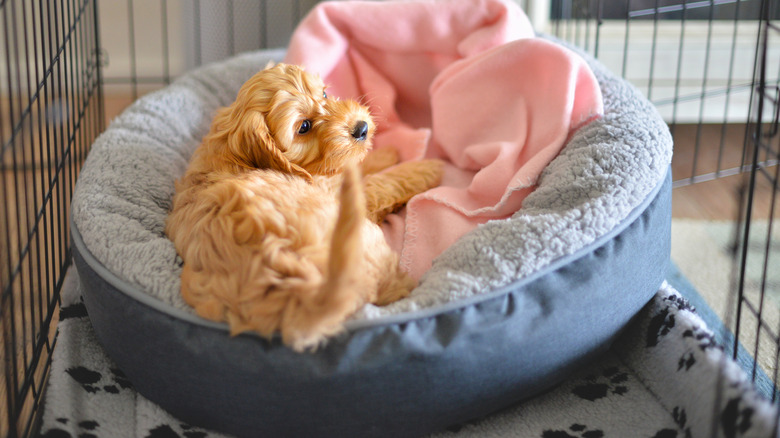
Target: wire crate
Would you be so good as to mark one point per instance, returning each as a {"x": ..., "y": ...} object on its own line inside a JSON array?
[
  {"x": 67, "y": 67},
  {"x": 711, "y": 68},
  {"x": 50, "y": 112}
]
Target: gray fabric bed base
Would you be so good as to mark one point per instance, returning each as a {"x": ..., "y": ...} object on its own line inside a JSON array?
[{"x": 402, "y": 375}]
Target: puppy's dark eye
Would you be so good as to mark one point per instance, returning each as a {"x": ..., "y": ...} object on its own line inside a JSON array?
[
  {"x": 324, "y": 94},
  {"x": 305, "y": 127}
]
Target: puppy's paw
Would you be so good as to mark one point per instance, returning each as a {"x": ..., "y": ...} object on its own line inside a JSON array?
[
  {"x": 423, "y": 174},
  {"x": 305, "y": 342},
  {"x": 391, "y": 189},
  {"x": 379, "y": 160},
  {"x": 399, "y": 287},
  {"x": 434, "y": 173}
]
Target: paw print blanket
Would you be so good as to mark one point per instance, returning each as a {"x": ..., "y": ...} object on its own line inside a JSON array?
[
  {"x": 461, "y": 80},
  {"x": 666, "y": 377}
]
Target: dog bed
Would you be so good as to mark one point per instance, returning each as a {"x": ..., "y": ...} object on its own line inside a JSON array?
[{"x": 509, "y": 310}]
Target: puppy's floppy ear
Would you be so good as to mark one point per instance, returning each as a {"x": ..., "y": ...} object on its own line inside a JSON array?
[{"x": 252, "y": 145}]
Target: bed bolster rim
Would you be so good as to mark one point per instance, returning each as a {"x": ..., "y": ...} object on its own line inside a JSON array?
[{"x": 357, "y": 325}]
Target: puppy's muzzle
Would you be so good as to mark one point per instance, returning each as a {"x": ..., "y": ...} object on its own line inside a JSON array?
[{"x": 360, "y": 131}]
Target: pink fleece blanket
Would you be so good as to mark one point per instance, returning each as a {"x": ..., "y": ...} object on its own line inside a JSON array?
[{"x": 460, "y": 80}]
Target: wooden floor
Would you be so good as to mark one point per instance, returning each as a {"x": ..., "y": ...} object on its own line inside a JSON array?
[
  {"x": 705, "y": 150},
  {"x": 114, "y": 105}
]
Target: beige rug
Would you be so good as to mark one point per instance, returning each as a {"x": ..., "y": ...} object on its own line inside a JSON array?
[{"x": 701, "y": 251}]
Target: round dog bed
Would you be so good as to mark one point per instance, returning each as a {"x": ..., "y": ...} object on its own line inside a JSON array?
[{"x": 509, "y": 310}]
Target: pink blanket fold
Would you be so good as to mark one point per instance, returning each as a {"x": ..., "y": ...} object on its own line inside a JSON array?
[{"x": 460, "y": 80}]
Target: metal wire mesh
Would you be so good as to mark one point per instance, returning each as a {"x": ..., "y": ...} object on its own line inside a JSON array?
[
  {"x": 147, "y": 43},
  {"x": 712, "y": 68},
  {"x": 757, "y": 246},
  {"x": 50, "y": 112},
  {"x": 693, "y": 59}
]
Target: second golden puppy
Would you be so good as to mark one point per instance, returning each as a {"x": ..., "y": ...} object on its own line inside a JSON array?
[{"x": 275, "y": 225}]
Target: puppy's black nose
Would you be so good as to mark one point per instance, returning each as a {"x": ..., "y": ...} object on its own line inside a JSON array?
[{"x": 360, "y": 131}]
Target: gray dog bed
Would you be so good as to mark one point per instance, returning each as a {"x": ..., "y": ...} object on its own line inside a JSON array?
[{"x": 509, "y": 310}]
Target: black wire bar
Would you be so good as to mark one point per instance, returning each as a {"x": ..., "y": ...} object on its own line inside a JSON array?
[
  {"x": 757, "y": 247},
  {"x": 51, "y": 110},
  {"x": 694, "y": 24}
]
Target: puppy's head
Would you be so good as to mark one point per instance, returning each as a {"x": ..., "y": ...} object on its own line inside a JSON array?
[{"x": 284, "y": 120}]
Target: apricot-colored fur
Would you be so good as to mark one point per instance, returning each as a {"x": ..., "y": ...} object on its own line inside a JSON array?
[{"x": 272, "y": 219}]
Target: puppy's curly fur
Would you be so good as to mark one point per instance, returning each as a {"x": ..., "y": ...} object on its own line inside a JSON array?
[{"x": 277, "y": 228}]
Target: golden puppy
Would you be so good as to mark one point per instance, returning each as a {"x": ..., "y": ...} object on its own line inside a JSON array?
[{"x": 275, "y": 226}]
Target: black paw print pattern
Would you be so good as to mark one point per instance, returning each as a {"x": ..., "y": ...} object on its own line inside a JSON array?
[
  {"x": 681, "y": 419},
  {"x": 735, "y": 420},
  {"x": 166, "y": 431},
  {"x": 686, "y": 362},
  {"x": 77, "y": 310},
  {"x": 94, "y": 382},
  {"x": 664, "y": 321},
  {"x": 706, "y": 340},
  {"x": 666, "y": 433},
  {"x": 86, "y": 429},
  {"x": 598, "y": 387},
  {"x": 574, "y": 431}
]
